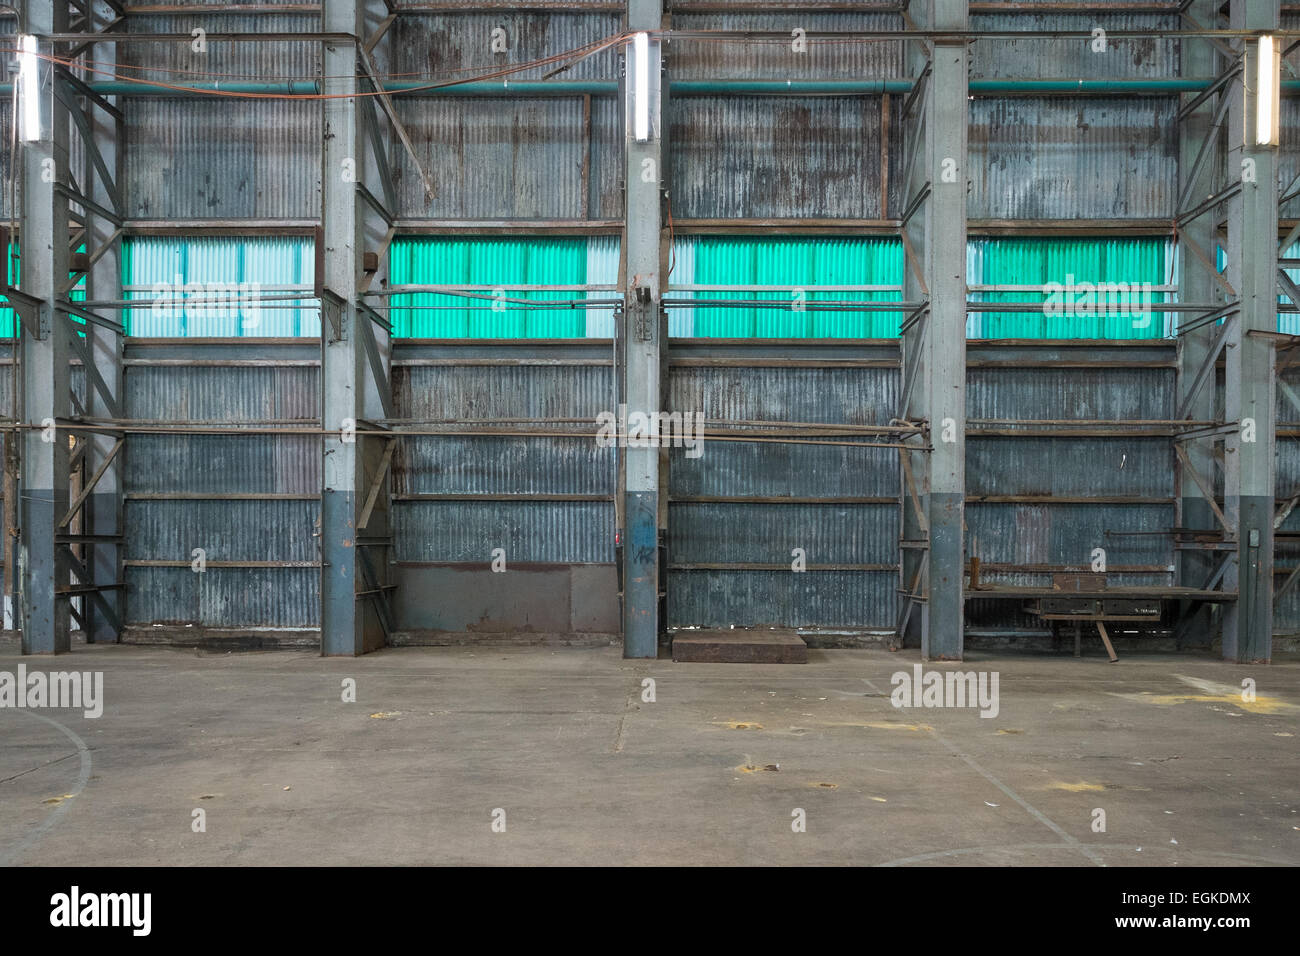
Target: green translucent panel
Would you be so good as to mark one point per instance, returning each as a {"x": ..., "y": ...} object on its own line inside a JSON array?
[
  {"x": 8, "y": 319},
  {"x": 1042, "y": 261},
  {"x": 489, "y": 262},
  {"x": 159, "y": 268},
  {"x": 795, "y": 263}
]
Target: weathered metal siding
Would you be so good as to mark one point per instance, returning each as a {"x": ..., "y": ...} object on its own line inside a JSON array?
[
  {"x": 1286, "y": 549},
  {"x": 1047, "y": 58},
  {"x": 1022, "y": 543},
  {"x": 764, "y": 529},
  {"x": 494, "y": 158},
  {"x": 233, "y": 158},
  {"x": 480, "y": 471},
  {"x": 215, "y": 157},
  {"x": 506, "y": 158},
  {"x": 1054, "y": 158},
  {"x": 436, "y": 47},
  {"x": 774, "y": 58},
  {"x": 167, "y": 479},
  {"x": 775, "y": 157}
]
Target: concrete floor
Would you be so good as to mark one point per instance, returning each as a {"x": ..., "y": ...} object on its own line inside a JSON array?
[{"x": 587, "y": 773}]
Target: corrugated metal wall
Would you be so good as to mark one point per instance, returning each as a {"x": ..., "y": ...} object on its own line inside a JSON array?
[
  {"x": 1044, "y": 158},
  {"x": 1028, "y": 512},
  {"x": 740, "y": 506},
  {"x": 252, "y": 498},
  {"x": 215, "y": 157},
  {"x": 456, "y": 498}
]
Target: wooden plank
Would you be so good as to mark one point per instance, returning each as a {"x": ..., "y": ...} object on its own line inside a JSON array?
[
  {"x": 1105, "y": 639},
  {"x": 740, "y": 647}
]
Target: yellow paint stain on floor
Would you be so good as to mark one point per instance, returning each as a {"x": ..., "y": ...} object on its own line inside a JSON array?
[
  {"x": 825, "y": 786},
  {"x": 740, "y": 724},
  {"x": 385, "y": 715},
  {"x": 1260, "y": 705},
  {"x": 1079, "y": 787},
  {"x": 1008, "y": 730},
  {"x": 57, "y": 800},
  {"x": 880, "y": 799},
  {"x": 1283, "y": 734},
  {"x": 885, "y": 725},
  {"x": 752, "y": 768},
  {"x": 1214, "y": 692}
]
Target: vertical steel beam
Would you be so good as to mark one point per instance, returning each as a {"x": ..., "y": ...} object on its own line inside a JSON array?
[
  {"x": 1249, "y": 397},
  {"x": 642, "y": 340},
  {"x": 935, "y": 348},
  {"x": 105, "y": 509},
  {"x": 349, "y": 626},
  {"x": 46, "y": 391},
  {"x": 1195, "y": 285}
]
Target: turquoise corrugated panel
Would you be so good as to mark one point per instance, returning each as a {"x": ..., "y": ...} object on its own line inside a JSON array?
[
  {"x": 1065, "y": 261},
  {"x": 8, "y": 319},
  {"x": 489, "y": 262},
  {"x": 796, "y": 264},
  {"x": 1290, "y": 322},
  {"x": 159, "y": 268}
]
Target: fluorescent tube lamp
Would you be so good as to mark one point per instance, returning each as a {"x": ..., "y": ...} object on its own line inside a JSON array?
[
  {"x": 641, "y": 87},
  {"x": 1268, "y": 91},
  {"x": 29, "y": 89}
]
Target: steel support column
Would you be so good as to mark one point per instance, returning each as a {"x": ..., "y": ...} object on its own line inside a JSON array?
[
  {"x": 350, "y": 619},
  {"x": 934, "y": 348},
  {"x": 46, "y": 392},
  {"x": 1249, "y": 397},
  {"x": 104, "y": 515},
  {"x": 1197, "y": 182},
  {"x": 642, "y": 340}
]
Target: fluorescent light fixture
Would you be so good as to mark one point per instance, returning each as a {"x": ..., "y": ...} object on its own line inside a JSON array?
[
  {"x": 1268, "y": 91},
  {"x": 29, "y": 89},
  {"x": 641, "y": 87}
]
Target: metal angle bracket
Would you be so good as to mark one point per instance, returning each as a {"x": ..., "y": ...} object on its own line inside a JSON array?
[{"x": 34, "y": 313}]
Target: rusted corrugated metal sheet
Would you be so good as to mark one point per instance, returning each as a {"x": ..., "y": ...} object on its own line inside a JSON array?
[
  {"x": 177, "y": 62},
  {"x": 463, "y": 44},
  {"x": 858, "y": 396},
  {"x": 1064, "y": 535},
  {"x": 775, "y": 157},
  {"x": 232, "y": 158},
  {"x": 782, "y": 599},
  {"x": 466, "y": 530},
  {"x": 766, "y": 533},
  {"x": 1069, "y": 393},
  {"x": 1045, "y": 58},
  {"x": 493, "y": 158},
  {"x": 831, "y": 56},
  {"x": 772, "y": 470},
  {"x": 751, "y": 533},
  {"x": 1070, "y": 466},
  {"x": 224, "y": 597},
  {"x": 559, "y": 532},
  {"x": 1070, "y": 158},
  {"x": 506, "y": 466},
  {"x": 225, "y": 530},
  {"x": 230, "y": 530}
]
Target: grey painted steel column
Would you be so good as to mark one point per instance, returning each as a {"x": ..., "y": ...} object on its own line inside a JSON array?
[
  {"x": 642, "y": 341},
  {"x": 344, "y": 616},
  {"x": 938, "y": 234},
  {"x": 1196, "y": 285},
  {"x": 46, "y": 393},
  {"x": 1249, "y": 477},
  {"x": 105, "y": 509}
]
